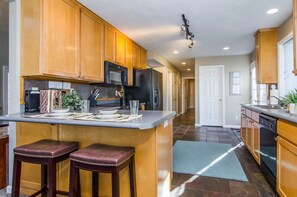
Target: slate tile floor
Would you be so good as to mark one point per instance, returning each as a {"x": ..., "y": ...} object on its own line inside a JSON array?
[{"x": 256, "y": 186}]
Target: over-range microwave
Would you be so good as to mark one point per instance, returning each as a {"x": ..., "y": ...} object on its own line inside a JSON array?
[{"x": 115, "y": 74}]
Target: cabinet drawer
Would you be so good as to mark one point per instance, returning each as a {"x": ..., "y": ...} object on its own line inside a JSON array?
[
  {"x": 248, "y": 113},
  {"x": 287, "y": 130},
  {"x": 255, "y": 116}
]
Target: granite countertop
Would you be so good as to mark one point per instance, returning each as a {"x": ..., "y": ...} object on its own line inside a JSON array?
[
  {"x": 149, "y": 119},
  {"x": 277, "y": 113}
]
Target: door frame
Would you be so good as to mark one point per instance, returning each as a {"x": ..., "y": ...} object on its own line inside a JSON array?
[
  {"x": 223, "y": 92},
  {"x": 5, "y": 73},
  {"x": 169, "y": 90},
  {"x": 281, "y": 62},
  {"x": 183, "y": 92}
]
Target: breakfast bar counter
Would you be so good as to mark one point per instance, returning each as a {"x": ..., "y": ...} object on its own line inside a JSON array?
[{"x": 151, "y": 135}]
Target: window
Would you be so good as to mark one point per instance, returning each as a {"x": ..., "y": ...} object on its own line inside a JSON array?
[
  {"x": 258, "y": 91},
  {"x": 287, "y": 80}
]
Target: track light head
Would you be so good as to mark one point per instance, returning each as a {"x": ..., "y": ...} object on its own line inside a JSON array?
[{"x": 185, "y": 27}]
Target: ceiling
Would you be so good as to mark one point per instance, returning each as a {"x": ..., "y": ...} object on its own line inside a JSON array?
[
  {"x": 4, "y": 18},
  {"x": 155, "y": 24}
]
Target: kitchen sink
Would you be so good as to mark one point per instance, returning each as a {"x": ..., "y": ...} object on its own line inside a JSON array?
[{"x": 268, "y": 106}]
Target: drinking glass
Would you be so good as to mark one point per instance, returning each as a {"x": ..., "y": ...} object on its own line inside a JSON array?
[
  {"x": 85, "y": 106},
  {"x": 134, "y": 106}
]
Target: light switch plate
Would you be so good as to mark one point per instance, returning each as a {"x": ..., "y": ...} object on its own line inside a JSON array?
[{"x": 55, "y": 85}]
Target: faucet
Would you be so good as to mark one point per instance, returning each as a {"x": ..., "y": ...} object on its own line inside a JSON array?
[{"x": 280, "y": 102}]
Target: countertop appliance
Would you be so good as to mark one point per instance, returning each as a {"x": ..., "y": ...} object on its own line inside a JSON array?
[
  {"x": 32, "y": 101},
  {"x": 115, "y": 74},
  {"x": 268, "y": 138},
  {"x": 148, "y": 86}
]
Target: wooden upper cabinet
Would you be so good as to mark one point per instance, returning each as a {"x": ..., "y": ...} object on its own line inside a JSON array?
[
  {"x": 136, "y": 56},
  {"x": 295, "y": 35},
  {"x": 266, "y": 56},
  {"x": 129, "y": 61},
  {"x": 110, "y": 44},
  {"x": 142, "y": 58},
  {"x": 92, "y": 47},
  {"x": 61, "y": 38},
  {"x": 115, "y": 46}
]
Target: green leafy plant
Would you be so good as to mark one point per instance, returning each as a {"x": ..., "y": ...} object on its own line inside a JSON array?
[
  {"x": 71, "y": 100},
  {"x": 291, "y": 97}
]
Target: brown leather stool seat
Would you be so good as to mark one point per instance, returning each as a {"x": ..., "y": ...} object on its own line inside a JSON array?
[
  {"x": 102, "y": 158},
  {"x": 47, "y": 153}
]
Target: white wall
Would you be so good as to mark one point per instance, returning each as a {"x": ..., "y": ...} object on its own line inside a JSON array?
[
  {"x": 232, "y": 103},
  {"x": 3, "y": 60}
]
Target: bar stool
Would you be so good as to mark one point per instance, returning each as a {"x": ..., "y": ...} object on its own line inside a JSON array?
[
  {"x": 47, "y": 153},
  {"x": 102, "y": 158}
]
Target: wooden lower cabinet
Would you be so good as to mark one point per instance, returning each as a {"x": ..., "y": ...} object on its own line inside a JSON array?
[
  {"x": 249, "y": 135},
  {"x": 256, "y": 141},
  {"x": 153, "y": 157},
  {"x": 286, "y": 168},
  {"x": 243, "y": 128}
]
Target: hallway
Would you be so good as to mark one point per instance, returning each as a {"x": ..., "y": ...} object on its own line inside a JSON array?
[{"x": 256, "y": 186}]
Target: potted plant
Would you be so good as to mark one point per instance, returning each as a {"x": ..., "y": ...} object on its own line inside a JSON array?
[
  {"x": 71, "y": 100},
  {"x": 290, "y": 100}
]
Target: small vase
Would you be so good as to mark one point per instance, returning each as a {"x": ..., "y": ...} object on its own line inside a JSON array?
[{"x": 292, "y": 108}]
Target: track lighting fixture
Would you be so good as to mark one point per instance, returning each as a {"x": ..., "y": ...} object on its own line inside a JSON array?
[{"x": 185, "y": 27}]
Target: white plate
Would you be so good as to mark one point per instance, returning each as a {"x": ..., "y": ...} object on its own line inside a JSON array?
[
  {"x": 60, "y": 110},
  {"x": 109, "y": 116},
  {"x": 108, "y": 111},
  {"x": 59, "y": 114}
]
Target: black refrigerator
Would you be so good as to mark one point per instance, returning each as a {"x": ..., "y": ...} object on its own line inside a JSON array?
[{"x": 148, "y": 88}]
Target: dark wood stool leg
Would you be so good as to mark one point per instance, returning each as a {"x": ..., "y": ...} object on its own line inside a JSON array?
[
  {"x": 74, "y": 188},
  {"x": 115, "y": 182},
  {"x": 16, "y": 181},
  {"x": 52, "y": 178},
  {"x": 132, "y": 177},
  {"x": 44, "y": 180},
  {"x": 95, "y": 182}
]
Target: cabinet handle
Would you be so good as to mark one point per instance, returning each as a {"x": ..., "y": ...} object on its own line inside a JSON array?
[{"x": 275, "y": 139}]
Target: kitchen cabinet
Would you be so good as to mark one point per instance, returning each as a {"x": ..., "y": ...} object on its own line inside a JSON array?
[
  {"x": 136, "y": 56},
  {"x": 295, "y": 35},
  {"x": 250, "y": 132},
  {"x": 129, "y": 61},
  {"x": 50, "y": 38},
  {"x": 286, "y": 159},
  {"x": 92, "y": 43},
  {"x": 266, "y": 56},
  {"x": 115, "y": 46},
  {"x": 143, "y": 57}
]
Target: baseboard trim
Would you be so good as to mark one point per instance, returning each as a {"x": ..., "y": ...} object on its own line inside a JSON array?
[
  {"x": 198, "y": 125},
  {"x": 232, "y": 126},
  {"x": 8, "y": 189}
]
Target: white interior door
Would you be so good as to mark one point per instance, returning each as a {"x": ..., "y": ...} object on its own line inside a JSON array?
[{"x": 211, "y": 95}]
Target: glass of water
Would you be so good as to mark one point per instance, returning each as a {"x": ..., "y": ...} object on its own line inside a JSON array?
[{"x": 134, "y": 106}]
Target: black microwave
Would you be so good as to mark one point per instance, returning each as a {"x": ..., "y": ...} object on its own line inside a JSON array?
[{"x": 115, "y": 74}]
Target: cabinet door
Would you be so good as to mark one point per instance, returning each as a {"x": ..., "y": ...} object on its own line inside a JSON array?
[
  {"x": 256, "y": 141},
  {"x": 136, "y": 56},
  {"x": 110, "y": 44},
  {"x": 295, "y": 34},
  {"x": 286, "y": 168},
  {"x": 243, "y": 128},
  {"x": 27, "y": 133},
  {"x": 121, "y": 49},
  {"x": 61, "y": 38},
  {"x": 249, "y": 135},
  {"x": 92, "y": 39},
  {"x": 142, "y": 58},
  {"x": 129, "y": 61}
]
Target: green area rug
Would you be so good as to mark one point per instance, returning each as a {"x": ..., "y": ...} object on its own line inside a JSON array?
[{"x": 207, "y": 159}]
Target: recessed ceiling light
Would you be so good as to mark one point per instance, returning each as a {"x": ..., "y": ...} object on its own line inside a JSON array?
[
  {"x": 175, "y": 52},
  {"x": 188, "y": 69},
  {"x": 184, "y": 63},
  {"x": 272, "y": 11},
  {"x": 226, "y": 48}
]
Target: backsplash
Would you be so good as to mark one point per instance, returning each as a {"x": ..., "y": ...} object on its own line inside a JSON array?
[{"x": 84, "y": 90}]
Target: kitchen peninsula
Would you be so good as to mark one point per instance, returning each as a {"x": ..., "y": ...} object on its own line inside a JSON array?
[{"x": 151, "y": 135}]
